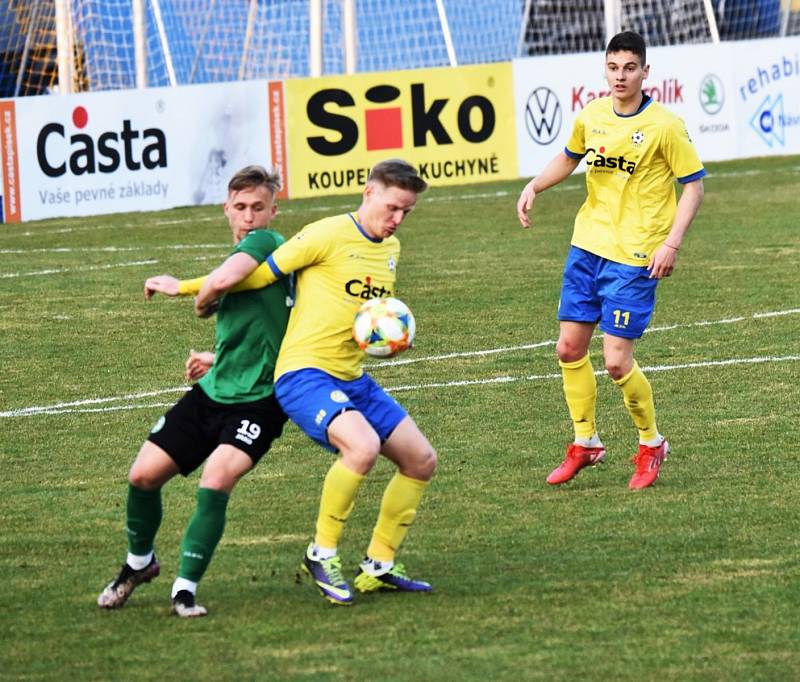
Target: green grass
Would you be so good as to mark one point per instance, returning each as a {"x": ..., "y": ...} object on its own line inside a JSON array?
[{"x": 694, "y": 579}]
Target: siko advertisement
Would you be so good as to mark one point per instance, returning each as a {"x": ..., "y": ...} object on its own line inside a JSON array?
[
  {"x": 95, "y": 153},
  {"x": 454, "y": 124}
]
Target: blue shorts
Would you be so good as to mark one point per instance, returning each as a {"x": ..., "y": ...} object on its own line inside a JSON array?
[
  {"x": 312, "y": 398},
  {"x": 620, "y": 297}
]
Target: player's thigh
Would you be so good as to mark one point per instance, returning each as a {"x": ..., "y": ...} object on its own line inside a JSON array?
[
  {"x": 251, "y": 427},
  {"x": 188, "y": 431},
  {"x": 152, "y": 468},
  {"x": 629, "y": 299},
  {"x": 353, "y": 436},
  {"x": 410, "y": 450},
  {"x": 579, "y": 300},
  {"x": 224, "y": 467},
  {"x": 312, "y": 399}
]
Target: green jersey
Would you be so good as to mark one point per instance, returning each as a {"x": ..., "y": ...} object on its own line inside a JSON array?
[{"x": 249, "y": 331}]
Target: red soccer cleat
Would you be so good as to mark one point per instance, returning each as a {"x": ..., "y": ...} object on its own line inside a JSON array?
[
  {"x": 648, "y": 462},
  {"x": 577, "y": 458}
]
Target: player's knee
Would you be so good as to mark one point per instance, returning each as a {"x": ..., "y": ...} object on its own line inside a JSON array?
[
  {"x": 360, "y": 455},
  {"x": 616, "y": 368},
  {"x": 427, "y": 463},
  {"x": 569, "y": 351},
  {"x": 143, "y": 479},
  {"x": 422, "y": 464},
  {"x": 221, "y": 481}
]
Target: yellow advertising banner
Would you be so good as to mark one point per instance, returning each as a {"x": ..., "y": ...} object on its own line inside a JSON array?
[{"x": 455, "y": 124}]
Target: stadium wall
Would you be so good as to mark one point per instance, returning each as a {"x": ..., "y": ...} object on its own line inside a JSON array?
[{"x": 106, "y": 152}]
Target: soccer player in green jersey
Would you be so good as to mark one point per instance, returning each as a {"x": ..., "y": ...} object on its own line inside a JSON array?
[
  {"x": 228, "y": 419},
  {"x": 340, "y": 262},
  {"x": 626, "y": 238}
]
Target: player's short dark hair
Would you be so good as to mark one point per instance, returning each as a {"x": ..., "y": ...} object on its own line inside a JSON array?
[
  {"x": 628, "y": 41},
  {"x": 255, "y": 176},
  {"x": 397, "y": 173}
]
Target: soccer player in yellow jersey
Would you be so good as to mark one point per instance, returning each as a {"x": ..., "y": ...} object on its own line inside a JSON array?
[
  {"x": 339, "y": 263},
  {"x": 626, "y": 238}
]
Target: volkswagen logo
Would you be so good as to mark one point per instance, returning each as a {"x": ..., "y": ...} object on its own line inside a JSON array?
[{"x": 543, "y": 115}]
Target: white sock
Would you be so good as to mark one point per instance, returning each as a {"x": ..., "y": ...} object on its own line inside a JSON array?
[
  {"x": 139, "y": 561},
  {"x": 654, "y": 443},
  {"x": 318, "y": 553},
  {"x": 593, "y": 442},
  {"x": 183, "y": 584},
  {"x": 375, "y": 567}
]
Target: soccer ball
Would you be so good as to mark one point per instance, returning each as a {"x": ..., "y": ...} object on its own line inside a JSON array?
[{"x": 384, "y": 327}]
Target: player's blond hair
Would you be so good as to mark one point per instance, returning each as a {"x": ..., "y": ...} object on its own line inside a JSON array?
[
  {"x": 255, "y": 176},
  {"x": 397, "y": 173}
]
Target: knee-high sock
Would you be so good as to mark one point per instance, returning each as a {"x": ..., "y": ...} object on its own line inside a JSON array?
[
  {"x": 336, "y": 502},
  {"x": 203, "y": 533},
  {"x": 580, "y": 390},
  {"x": 638, "y": 398},
  {"x": 398, "y": 509},
  {"x": 143, "y": 517}
]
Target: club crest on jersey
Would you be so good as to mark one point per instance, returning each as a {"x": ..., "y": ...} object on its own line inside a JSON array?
[
  {"x": 339, "y": 397},
  {"x": 392, "y": 263},
  {"x": 637, "y": 138}
]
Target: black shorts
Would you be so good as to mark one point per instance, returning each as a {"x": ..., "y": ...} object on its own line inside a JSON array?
[{"x": 192, "y": 428}]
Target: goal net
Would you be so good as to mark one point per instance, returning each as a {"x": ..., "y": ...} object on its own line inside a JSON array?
[{"x": 561, "y": 27}]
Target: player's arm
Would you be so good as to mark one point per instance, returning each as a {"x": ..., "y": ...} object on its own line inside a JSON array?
[
  {"x": 233, "y": 271},
  {"x": 258, "y": 279},
  {"x": 559, "y": 168},
  {"x": 663, "y": 262}
]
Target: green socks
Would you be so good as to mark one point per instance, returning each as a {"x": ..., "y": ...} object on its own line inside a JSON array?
[
  {"x": 203, "y": 533},
  {"x": 143, "y": 519}
]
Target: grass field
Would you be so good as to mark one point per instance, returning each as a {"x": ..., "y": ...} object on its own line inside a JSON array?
[{"x": 694, "y": 579}]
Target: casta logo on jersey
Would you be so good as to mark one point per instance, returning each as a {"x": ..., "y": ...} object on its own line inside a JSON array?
[
  {"x": 383, "y": 119},
  {"x": 366, "y": 289},
  {"x": 60, "y": 150},
  {"x": 603, "y": 159}
]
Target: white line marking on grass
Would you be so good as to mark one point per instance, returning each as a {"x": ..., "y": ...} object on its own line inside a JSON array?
[
  {"x": 25, "y": 411},
  {"x": 86, "y": 268},
  {"x": 540, "y": 377},
  {"x": 541, "y": 344},
  {"x": 60, "y": 408},
  {"x": 112, "y": 249}
]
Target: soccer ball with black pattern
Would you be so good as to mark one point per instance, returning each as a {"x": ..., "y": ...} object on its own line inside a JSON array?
[{"x": 384, "y": 327}]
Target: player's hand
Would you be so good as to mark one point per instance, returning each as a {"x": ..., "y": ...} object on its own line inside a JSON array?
[
  {"x": 206, "y": 310},
  {"x": 165, "y": 284},
  {"x": 525, "y": 204},
  {"x": 663, "y": 262},
  {"x": 198, "y": 364}
]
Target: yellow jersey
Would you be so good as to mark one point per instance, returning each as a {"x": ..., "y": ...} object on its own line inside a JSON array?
[
  {"x": 631, "y": 164},
  {"x": 338, "y": 267}
]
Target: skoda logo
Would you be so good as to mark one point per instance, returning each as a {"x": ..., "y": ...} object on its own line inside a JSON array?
[
  {"x": 543, "y": 115},
  {"x": 712, "y": 94}
]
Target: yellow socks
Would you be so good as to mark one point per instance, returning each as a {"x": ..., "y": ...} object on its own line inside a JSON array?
[
  {"x": 398, "y": 509},
  {"x": 638, "y": 398},
  {"x": 336, "y": 502},
  {"x": 580, "y": 390}
]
